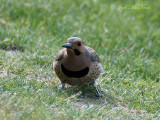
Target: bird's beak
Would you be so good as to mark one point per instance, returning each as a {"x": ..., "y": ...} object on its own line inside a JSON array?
[{"x": 68, "y": 45}]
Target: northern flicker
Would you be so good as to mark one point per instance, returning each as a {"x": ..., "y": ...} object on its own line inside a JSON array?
[{"x": 77, "y": 64}]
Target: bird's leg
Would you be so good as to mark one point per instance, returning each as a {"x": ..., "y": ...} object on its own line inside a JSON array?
[
  {"x": 62, "y": 87},
  {"x": 83, "y": 90},
  {"x": 95, "y": 86}
]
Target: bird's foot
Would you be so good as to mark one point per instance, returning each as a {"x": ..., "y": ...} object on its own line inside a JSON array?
[
  {"x": 62, "y": 87},
  {"x": 98, "y": 93}
]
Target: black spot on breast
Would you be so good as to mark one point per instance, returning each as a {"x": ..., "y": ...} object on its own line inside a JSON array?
[{"x": 76, "y": 74}]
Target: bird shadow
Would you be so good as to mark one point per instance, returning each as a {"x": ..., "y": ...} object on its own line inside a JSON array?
[{"x": 88, "y": 94}]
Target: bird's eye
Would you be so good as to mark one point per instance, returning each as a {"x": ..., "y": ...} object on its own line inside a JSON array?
[{"x": 79, "y": 44}]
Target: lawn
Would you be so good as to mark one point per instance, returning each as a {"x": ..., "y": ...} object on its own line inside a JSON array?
[{"x": 125, "y": 34}]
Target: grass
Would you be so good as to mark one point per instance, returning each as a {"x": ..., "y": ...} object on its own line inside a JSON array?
[{"x": 126, "y": 38}]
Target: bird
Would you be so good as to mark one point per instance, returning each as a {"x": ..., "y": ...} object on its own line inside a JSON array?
[{"x": 77, "y": 64}]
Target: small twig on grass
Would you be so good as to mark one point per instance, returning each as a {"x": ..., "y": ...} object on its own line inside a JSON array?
[{"x": 125, "y": 49}]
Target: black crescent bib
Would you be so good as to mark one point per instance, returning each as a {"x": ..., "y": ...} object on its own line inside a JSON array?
[{"x": 75, "y": 74}]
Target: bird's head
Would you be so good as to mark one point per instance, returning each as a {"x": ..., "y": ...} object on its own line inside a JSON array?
[{"x": 75, "y": 46}]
